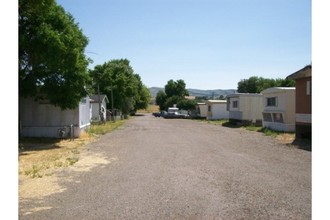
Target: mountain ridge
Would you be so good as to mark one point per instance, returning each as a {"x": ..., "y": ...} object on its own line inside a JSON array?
[{"x": 215, "y": 93}]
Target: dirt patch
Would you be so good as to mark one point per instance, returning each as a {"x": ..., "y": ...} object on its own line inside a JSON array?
[
  {"x": 286, "y": 138},
  {"x": 290, "y": 140},
  {"x": 40, "y": 159}
]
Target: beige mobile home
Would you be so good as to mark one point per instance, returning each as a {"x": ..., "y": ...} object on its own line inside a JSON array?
[
  {"x": 245, "y": 108},
  {"x": 216, "y": 109},
  {"x": 201, "y": 110},
  {"x": 279, "y": 108}
]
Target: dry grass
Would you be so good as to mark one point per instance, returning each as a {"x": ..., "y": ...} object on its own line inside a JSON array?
[
  {"x": 39, "y": 157},
  {"x": 286, "y": 138},
  {"x": 150, "y": 109}
]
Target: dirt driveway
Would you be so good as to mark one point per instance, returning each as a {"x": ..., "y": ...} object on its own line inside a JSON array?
[{"x": 155, "y": 168}]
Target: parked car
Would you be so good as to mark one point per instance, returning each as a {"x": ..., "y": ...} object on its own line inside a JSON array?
[
  {"x": 175, "y": 115},
  {"x": 159, "y": 114}
]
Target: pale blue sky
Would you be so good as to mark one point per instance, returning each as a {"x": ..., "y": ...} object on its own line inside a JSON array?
[{"x": 210, "y": 44}]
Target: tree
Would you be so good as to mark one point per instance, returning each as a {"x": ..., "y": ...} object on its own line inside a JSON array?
[
  {"x": 161, "y": 100},
  {"x": 52, "y": 64},
  {"x": 177, "y": 88},
  {"x": 116, "y": 79},
  {"x": 143, "y": 96},
  {"x": 187, "y": 104},
  {"x": 257, "y": 84},
  {"x": 175, "y": 92}
]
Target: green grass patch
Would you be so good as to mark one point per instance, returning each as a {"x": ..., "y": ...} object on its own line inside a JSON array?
[
  {"x": 100, "y": 129},
  {"x": 252, "y": 128},
  {"x": 269, "y": 132},
  {"x": 72, "y": 160},
  {"x": 34, "y": 172},
  {"x": 217, "y": 122}
]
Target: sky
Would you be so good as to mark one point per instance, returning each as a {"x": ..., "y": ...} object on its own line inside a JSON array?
[{"x": 210, "y": 44}]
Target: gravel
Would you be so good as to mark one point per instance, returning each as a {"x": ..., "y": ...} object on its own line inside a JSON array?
[{"x": 155, "y": 168}]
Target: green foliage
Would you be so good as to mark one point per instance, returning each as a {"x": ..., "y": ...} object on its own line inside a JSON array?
[
  {"x": 52, "y": 64},
  {"x": 269, "y": 132},
  {"x": 177, "y": 88},
  {"x": 161, "y": 99},
  {"x": 187, "y": 104},
  {"x": 257, "y": 84},
  {"x": 97, "y": 129},
  {"x": 175, "y": 92},
  {"x": 118, "y": 76}
]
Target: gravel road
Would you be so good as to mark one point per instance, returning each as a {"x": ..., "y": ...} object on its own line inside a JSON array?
[{"x": 155, "y": 168}]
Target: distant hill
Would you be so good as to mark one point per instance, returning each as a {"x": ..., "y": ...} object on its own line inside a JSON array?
[{"x": 199, "y": 92}]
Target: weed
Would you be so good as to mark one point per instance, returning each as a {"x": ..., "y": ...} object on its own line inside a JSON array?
[
  {"x": 253, "y": 128},
  {"x": 269, "y": 132},
  {"x": 34, "y": 171},
  {"x": 75, "y": 151},
  {"x": 100, "y": 129},
  {"x": 59, "y": 164},
  {"x": 72, "y": 160}
]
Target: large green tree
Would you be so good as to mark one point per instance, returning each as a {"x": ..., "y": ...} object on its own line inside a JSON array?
[
  {"x": 175, "y": 92},
  {"x": 176, "y": 88},
  {"x": 52, "y": 63},
  {"x": 161, "y": 100},
  {"x": 116, "y": 79},
  {"x": 256, "y": 84}
]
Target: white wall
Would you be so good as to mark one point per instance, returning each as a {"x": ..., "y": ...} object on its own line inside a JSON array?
[
  {"x": 95, "y": 110},
  {"x": 44, "y": 120},
  {"x": 203, "y": 110},
  {"x": 285, "y": 105},
  {"x": 249, "y": 107},
  {"x": 218, "y": 111}
]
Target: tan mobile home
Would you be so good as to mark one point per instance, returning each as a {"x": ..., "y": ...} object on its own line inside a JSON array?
[
  {"x": 216, "y": 109},
  {"x": 245, "y": 108},
  {"x": 279, "y": 108}
]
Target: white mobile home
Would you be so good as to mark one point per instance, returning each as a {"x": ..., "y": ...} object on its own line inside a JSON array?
[
  {"x": 201, "y": 110},
  {"x": 216, "y": 109},
  {"x": 245, "y": 108},
  {"x": 42, "y": 119},
  {"x": 96, "y": 102},
  {"x": 279, "y": 108}
]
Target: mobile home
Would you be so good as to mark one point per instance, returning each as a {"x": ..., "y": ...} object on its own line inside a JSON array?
[
  {"x": 42, "y": 119},
  {"x": 216, "y": 109},
  {"x": 303, "y": 78},
  {"x": 279, "y": 108},
  {"x": 245, "y": 108}
]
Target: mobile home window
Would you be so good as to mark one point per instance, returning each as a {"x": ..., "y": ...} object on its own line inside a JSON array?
[
  {"x": 278, "y": 117},
  {"x": 209, "y": 108},
  {"x": 271, "y": 101},
  {"x": 308, "y": 88},
  {"x": 267, "y": 117},
  {"x": 235, "y": 104}
]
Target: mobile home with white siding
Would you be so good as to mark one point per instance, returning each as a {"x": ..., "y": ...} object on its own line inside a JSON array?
[
  {"x": 216, "y": 109},
  {"x": 42, "y": 119},
  {"x": 279, "y": 108},
  {"x": 245, "y": 108}
]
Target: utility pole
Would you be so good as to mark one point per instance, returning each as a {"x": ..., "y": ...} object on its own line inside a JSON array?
[
  {"x": 100, "y": 112},
  {"x": 112, "y": 104}
]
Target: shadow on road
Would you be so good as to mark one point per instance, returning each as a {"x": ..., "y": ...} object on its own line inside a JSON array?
[{"x": 304, "y": 144}]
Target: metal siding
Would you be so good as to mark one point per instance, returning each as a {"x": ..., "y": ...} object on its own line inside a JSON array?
[{"x": 44, "y": 120}]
